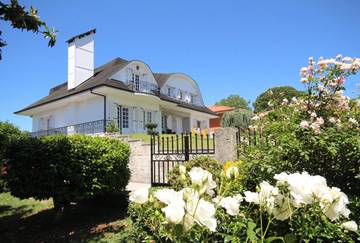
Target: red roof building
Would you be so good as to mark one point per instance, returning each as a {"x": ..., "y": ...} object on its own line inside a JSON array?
[{"x": 220, "y": 110}]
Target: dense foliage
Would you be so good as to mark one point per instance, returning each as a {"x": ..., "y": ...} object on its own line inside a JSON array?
[
  {"x": 274, "y": 96},
  {"x": 24, "y": 20},
  {"x": 289, "y": 186},
  {"x": 67, "y": 168},
  {"x": 237, "y": 118},
  {"x": 8, "y": 133},
  {"x": 234, "y": 101},
  {"x": 318, "y": 133}
]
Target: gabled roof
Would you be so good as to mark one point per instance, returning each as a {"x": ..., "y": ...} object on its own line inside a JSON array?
[{"x": 102, "y": 77}]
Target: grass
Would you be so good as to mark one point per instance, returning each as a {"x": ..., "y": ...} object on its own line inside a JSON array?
[
  {"x": 167, "y": 137},
  {"x": 30, "y": 220}
]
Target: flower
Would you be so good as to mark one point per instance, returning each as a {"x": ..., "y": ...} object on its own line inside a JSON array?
[
  {"x": 349, "y": 225},
  {"x": 205, "y": 215},
  {"x": 140, "y": 196},
  {"x": 302, "y": 186},
  {"x": 333, "y": 203},
  {"x": 231, "y": 204},
  {"x": 182, "y": 169},
  {"x": 174, "y": 212},
  {"x": 313, "y": 114},
  {"x": 353, "y": 121},
  {"x": 332, "y": 120},
  {"x": 282, "y": 210},
  {"x": 167, "y": 196},
  {"x": 255, "y": 118},
  {"x": 203, "y": 179},
  {"x": 304, "y": 124},
  {"x": 252, "y": 197},
  {"x": 316, "y": 127},
  {"x": 231, "y": 170},
  {"x": 285, "y": 101},
  {"x": 320, "y": 120}
]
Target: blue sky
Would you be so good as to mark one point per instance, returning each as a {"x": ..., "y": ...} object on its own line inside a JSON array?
[{"x": 228, "y": 47}]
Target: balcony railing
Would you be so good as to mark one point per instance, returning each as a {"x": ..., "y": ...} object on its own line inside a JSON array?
[
  {"x": 93, "y": 127},
  {"x": 142, "y": 86}
]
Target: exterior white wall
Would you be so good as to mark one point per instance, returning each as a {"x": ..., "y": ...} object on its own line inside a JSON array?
[
  {"x": 74, "y": 113},
  {"x": 80, "y": 60},
  {"x": 137, "y": 107},
  {"x": 185, "y": 84},
  {"x": 144, "y": 72}
]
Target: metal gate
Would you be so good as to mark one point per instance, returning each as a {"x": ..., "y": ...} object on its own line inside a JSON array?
[{"x": 167, "y": 151}]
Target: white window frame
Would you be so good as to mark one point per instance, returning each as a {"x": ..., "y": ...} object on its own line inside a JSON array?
[{"x": 125, "y": 117}]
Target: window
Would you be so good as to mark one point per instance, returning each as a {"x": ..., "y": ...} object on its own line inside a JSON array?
[
  {"x": 169, "y": 91},
  {"x": 191, "y": 98},
  {"x": 180, "y": 94},
  {"x": 144, "y": 121},
  {"x": 148, "y": 117},
  {"x": 125, "y": 117},
  {"x": 118, "y": 116},
  {"x": 198, "y": 124},
  {"x": 137, "y": 82}
]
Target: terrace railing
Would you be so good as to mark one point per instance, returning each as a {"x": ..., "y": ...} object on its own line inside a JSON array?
[
  {"x": 142, "y": 86},
  {"x": 93, "y": 127}
]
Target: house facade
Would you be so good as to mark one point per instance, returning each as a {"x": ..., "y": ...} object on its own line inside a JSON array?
[
  {"x": 220, "y": 110},
  {"x": 123, "y": 92}
]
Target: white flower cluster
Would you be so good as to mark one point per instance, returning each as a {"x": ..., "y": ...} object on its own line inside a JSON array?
[
  {"x": 297, "y": 190},
  {"x": 188, "y": 206}
]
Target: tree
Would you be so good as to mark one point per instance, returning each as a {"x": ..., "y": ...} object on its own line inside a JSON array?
[
  {"x": 239, "y": 118},
  {"x": 22, "y": 19},
  {"x": 274, "y": 96},
  {"x": 234, "y": 101}
]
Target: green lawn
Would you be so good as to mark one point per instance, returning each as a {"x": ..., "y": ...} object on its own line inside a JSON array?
[
  {"x": 100, "y": 220},
  {"x": 170, "y": 139}
]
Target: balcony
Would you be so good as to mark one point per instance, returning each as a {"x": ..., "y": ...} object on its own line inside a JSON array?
[
  {"x": 90, "y": 128},
  {"x": 141, "y": 86}
]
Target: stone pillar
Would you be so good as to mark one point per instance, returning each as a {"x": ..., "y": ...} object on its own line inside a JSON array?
[{"x": 225, "y": 144}]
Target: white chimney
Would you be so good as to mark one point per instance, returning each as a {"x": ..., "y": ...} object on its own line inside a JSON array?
[{"x": 80, "y": 58}]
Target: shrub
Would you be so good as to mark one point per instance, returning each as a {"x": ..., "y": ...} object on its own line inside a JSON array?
[
  {"x": 67, "y": 168},
  {"x": 299, "y": 207},
  {"x": 239, "y": 118},
  {"x": 318, "y": 133},
  {"x": 151, "y": 128},
  {"x": 8, "y": 132},
  {"x": 112, "y": 127}
]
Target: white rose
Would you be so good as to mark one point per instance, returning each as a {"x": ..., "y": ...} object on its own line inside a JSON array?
[
  {"x": 334, "y": 203},
  {"x": 174, "y": 213},
  {"x": 140, "y": 196},
  {"x": 231, "y": 204},
  {"x": 202, "y": 178},
  {"x": 252, "y": 197},
  {"x": 350, "y": 226},
  {"x": 168, "y": 196},
  {"x": 205, "y": 215}
]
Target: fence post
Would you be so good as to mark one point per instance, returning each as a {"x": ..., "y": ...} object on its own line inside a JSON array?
[
  {"x": 186, "y": 147},
  {"x": 226, "y": 145}
]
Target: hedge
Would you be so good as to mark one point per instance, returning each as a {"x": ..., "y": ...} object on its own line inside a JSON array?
[{"x": 67, "y": 168}]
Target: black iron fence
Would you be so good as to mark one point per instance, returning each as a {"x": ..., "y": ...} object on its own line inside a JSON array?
[
  {"x": 246, "y": 138},
  {"x": 93, "y": 127},
  {"x": 167, "y": 151}
]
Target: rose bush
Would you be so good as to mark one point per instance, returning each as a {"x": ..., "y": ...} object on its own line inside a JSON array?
[
  {"x": 318, "y": 132},
  {"x": 208, "y": 211}
]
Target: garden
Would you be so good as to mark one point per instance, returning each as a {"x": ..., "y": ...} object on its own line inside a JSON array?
[{"x": 298, "y": 183}]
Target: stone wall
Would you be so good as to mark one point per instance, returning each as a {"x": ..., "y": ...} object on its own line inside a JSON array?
[{"x": 140, "y": 162}]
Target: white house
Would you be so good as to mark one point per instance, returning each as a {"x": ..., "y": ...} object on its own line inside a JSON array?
[{"x": 126, "y": 92}]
